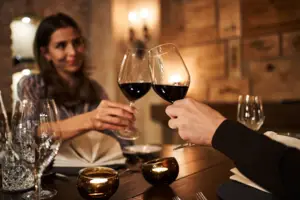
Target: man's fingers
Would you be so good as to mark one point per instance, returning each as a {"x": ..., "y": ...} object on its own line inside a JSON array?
[
  {"x": 174, "y": 111},
  {"x": 173, "y": 123}
]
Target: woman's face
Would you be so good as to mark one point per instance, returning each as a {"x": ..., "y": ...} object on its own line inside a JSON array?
[{"x": 66, "y": 50}]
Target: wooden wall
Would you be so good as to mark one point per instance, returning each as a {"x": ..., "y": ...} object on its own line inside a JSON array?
[{"x": 236, "y": 46}]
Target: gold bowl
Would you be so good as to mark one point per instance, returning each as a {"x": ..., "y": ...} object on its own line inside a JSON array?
[
  {"x": 161, "y": 171},
  {"x": 97, "y": 183}
]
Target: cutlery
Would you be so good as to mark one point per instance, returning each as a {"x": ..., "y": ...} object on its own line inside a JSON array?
[
  {"x": 200, "y": 196},
  {"x": 176, "y": 198}
]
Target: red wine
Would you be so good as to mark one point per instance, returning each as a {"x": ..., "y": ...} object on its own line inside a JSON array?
[
  {"x": 171, "y": 93},
  {"x": 134, "y": 91}
]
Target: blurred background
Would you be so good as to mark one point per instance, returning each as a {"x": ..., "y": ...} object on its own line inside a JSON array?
[{"x": 230, "y": 47}]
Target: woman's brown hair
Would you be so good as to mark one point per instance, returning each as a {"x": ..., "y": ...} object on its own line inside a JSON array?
[{"x": 55, "y": 87}]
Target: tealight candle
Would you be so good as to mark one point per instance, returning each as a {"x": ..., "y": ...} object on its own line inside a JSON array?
[
  {"x": 97, "y": 183},
  {"x": 161, "y": 171}
]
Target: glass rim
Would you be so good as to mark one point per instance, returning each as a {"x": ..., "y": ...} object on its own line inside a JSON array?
[{"x": 162, "y": 45}]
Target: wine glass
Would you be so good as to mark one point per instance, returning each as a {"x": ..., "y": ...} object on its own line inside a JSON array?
[
  {"x": 134, "y": 81},
  {"x": 250, "y": 111},
  {"x": 36, "y": 139},
  {"x": 4, "y": 128},
  {"x": 169, "y": 74}
]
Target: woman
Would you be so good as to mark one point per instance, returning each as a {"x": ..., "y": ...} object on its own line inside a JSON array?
[{"x": 83, "y": 104}]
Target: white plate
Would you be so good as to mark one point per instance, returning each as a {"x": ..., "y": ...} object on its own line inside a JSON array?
[{"x": 142, "y": 149}]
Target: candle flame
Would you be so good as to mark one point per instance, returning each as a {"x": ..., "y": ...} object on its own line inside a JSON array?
[
  {"x": 160, "y": 169},
  {"x": 175, "y": 79},
  {"x": 98, "y": 180}
]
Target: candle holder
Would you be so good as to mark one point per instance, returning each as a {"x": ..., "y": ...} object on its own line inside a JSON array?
[
  {"x": 97, "y": 183},
  {"x": 162, "y": 171}
]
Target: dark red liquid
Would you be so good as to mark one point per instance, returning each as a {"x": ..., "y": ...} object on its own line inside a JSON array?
[
  {"x": 171, "y": 93},
  {"x": 134, "y": 91}
]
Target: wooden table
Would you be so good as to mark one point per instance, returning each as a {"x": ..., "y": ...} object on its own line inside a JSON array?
[{"x": 201, "y": 169}]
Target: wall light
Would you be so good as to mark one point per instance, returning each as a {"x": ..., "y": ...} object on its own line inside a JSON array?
[{"x": 135, "y": 18}]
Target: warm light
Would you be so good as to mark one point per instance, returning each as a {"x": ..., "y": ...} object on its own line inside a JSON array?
[
  {"x": 26, "y": 72},
  {"x": 159, "y": 169},
  {"x": 98, "y": 180},
  {"x": 175, "y": 78},
  {"x": 26, "y": 20},
  {"x": 132, "y": 17},
  {"x": 144, "y": 13}
]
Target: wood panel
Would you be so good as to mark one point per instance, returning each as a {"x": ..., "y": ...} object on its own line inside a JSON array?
[
  {"x": 291, "y": 43},
  {"x": 276, "y": 79},
  {"x": 234, "y": 59},
  {"x": 188, "y": 22},
  {"x": 261, "y": 47},
  {"x": 266, "y": 16},
  {"x": 280, "y": 117},
  {"x": 204, "y": 63},
  {"x": 230, "y": 18},
  {"x": 225, "y": 90}
]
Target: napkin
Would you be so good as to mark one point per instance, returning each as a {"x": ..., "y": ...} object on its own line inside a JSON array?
[
  {"x": 92, "y": 148},
  {"x": 286, "y": 140}
]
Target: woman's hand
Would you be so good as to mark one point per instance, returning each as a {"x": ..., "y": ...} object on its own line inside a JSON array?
[
  {"x": 111, "y": 115},
  {"x": 195, "y": 121}
]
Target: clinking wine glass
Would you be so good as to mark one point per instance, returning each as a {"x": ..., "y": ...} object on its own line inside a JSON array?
[
  {"x": 169, "y": 74},
  {"x": 134, "y": 81},
  {"x": 36, "y": 139},
  {"x": 250, "y": 111}
]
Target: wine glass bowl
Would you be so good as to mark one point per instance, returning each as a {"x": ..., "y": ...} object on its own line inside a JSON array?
[
  {"x": 134, "y": 81},
  {"x": 250, "y": 111},
  {"x": 169, "y": 74},
  {"x": 97, "y": 183},
  {"x": 36, "y": 139}
]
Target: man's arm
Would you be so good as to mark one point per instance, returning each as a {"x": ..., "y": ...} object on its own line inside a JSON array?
[{"x": 268, "y": 163}]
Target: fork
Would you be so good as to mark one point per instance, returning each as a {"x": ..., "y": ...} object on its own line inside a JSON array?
[
  {"x": 200, "y": 196},
  {"x": 176, "y": 198}
]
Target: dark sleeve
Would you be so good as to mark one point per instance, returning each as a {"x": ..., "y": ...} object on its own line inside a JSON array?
[{"x": 268, "y": 163}]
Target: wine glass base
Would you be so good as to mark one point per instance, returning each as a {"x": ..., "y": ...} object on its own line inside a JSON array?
[
  {"x": 127, "y": 135},
  {"x": 188, "y": 144},
  {"x": 45, "y": 194}
]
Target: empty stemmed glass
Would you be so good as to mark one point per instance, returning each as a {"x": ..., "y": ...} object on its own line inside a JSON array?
[
  {"x": 169, "y": 74},
  {"x": 250, "y": 111},
  {"x": 134, "y": 81},
  {"x": 36, "y": 139},
  {"x": 4, "y": 127}
]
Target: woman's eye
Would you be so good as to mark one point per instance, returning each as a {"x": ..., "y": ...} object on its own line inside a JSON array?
[
  {"x": 61, "y": 45},
  {"x": 77, "y": 42}
]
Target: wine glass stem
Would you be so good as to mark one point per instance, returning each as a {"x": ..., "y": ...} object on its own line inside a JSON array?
[
  {"x": 131, "y": 103},
  {"x": 38, "y": 177}
]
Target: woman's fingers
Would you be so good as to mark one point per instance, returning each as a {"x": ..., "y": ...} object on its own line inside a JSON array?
[
  {"x": 118, "y": 105},
  {"x": 116, "y": 120},
  {"x": 117, "y": 112},
  {"x": 102, "y": 125}
]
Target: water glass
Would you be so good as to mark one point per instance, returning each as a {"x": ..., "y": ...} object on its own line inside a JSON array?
[{"x": 250, "y": 111}]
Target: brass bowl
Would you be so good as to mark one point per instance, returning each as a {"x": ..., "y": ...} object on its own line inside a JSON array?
[
  {"x": 161, "y": 171},
  {"x": 97, "y": 183}
]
